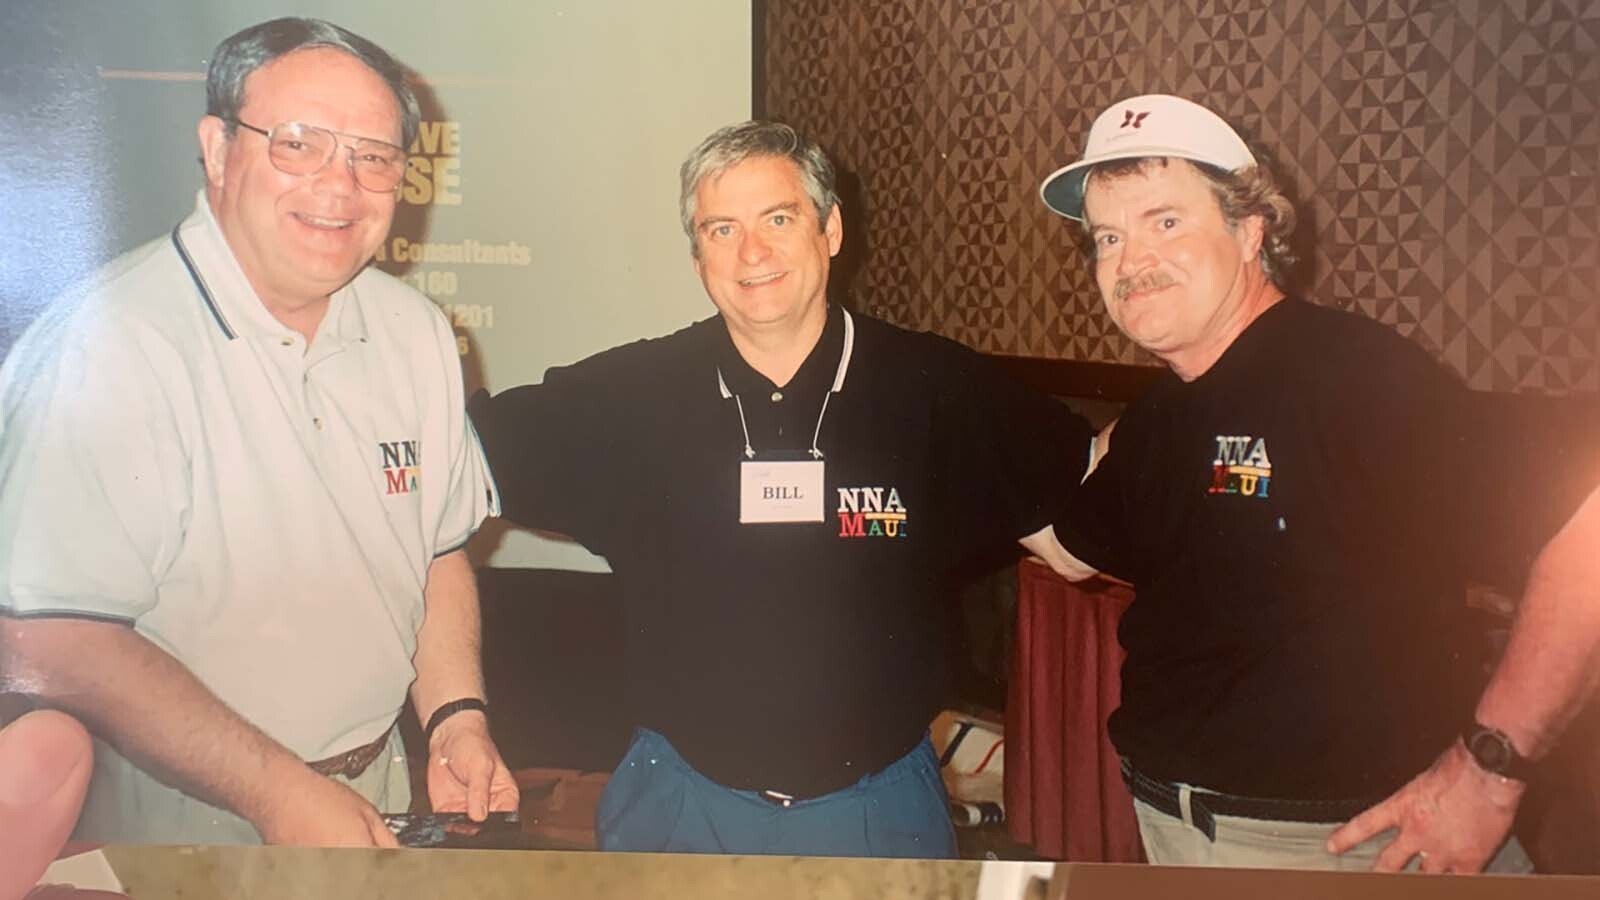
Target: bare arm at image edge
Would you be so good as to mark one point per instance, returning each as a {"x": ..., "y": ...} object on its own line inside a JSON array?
[
  {"x": 139, "y": 699},
  {"x": 1455, "y": 815}
]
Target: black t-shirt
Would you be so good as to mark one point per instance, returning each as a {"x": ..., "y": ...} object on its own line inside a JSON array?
[
  {"x": 792, "y": 657},
  {"x": 1299, "y": 523}
]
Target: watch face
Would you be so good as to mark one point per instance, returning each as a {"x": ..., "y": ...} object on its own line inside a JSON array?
[{"x": 1490, "y": 750}]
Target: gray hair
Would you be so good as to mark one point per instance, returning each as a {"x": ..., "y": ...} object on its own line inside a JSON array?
[
  {"x": 248, "y": 50},
  {"x": 1248, "y": 192},
  {"x": 730, "y": 146}
]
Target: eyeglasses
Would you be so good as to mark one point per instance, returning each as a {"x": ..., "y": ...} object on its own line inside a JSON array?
[{"x": 296, "y": 148}]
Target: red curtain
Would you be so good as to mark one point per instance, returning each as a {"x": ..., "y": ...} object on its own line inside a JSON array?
[{"x": 1063, "y": 785}]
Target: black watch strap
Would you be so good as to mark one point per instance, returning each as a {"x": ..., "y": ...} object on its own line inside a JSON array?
[
  {"x": 450, "y": 709},
  {"x": 1494, "y": 752}
]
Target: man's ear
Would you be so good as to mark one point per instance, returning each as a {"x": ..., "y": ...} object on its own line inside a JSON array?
[
  {"x": 834, "y": 229},
  {"x": 214, "y": 140},
  {"x": 1252, "y": 231}
]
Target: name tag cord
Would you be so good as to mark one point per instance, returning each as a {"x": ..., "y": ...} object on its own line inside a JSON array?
[{"x": 838, "y": 382}]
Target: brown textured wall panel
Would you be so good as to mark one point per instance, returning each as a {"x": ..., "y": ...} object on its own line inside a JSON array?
[{"x": 1443, "y": 154}]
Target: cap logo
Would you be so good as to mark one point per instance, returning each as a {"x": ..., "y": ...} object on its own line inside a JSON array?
[{"x": 1131, "y": 119}]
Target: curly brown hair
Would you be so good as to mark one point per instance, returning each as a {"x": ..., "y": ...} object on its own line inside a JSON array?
[{"x": 1247, "y": 192}]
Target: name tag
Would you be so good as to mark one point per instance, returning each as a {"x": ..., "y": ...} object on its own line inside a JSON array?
[{"x": 774, "y": 491}]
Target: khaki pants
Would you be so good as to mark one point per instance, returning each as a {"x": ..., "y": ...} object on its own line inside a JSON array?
[
  {"x": 125, "y": 805},
  {"x": 1265, "y": 843}
]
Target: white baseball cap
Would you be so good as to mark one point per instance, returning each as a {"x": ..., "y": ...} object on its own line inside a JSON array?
[{"x": 1150, "y": 125}]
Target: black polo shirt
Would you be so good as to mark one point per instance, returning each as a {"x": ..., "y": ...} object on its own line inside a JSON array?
[
  {"x": 793, "y": 657},
  {"x": 1299, "y": 523}
]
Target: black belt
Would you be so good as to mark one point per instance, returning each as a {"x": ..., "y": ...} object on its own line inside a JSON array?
[{"x": 1205, "y": 806}]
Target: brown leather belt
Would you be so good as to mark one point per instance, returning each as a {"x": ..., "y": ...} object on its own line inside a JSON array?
[{"x": 351, "y": 763}]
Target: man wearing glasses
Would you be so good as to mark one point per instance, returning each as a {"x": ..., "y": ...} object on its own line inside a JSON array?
[{"x": 236, "y": 478}]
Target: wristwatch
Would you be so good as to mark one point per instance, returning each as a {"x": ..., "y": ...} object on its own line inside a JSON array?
[{"x": 1494, "y": 753}]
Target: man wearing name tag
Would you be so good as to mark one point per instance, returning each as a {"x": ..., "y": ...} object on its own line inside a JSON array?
[
  {"x": 781, "y": 491},
  {"x": 236, "y": 476}
]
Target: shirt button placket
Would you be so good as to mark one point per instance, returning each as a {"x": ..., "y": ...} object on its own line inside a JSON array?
[{"x": 306, "y": 402}]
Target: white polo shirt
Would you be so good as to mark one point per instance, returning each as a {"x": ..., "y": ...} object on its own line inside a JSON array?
[{"x": 174, "y": 457}]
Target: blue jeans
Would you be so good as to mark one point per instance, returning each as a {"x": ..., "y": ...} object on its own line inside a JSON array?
[{"x": 655, "y": 801}]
